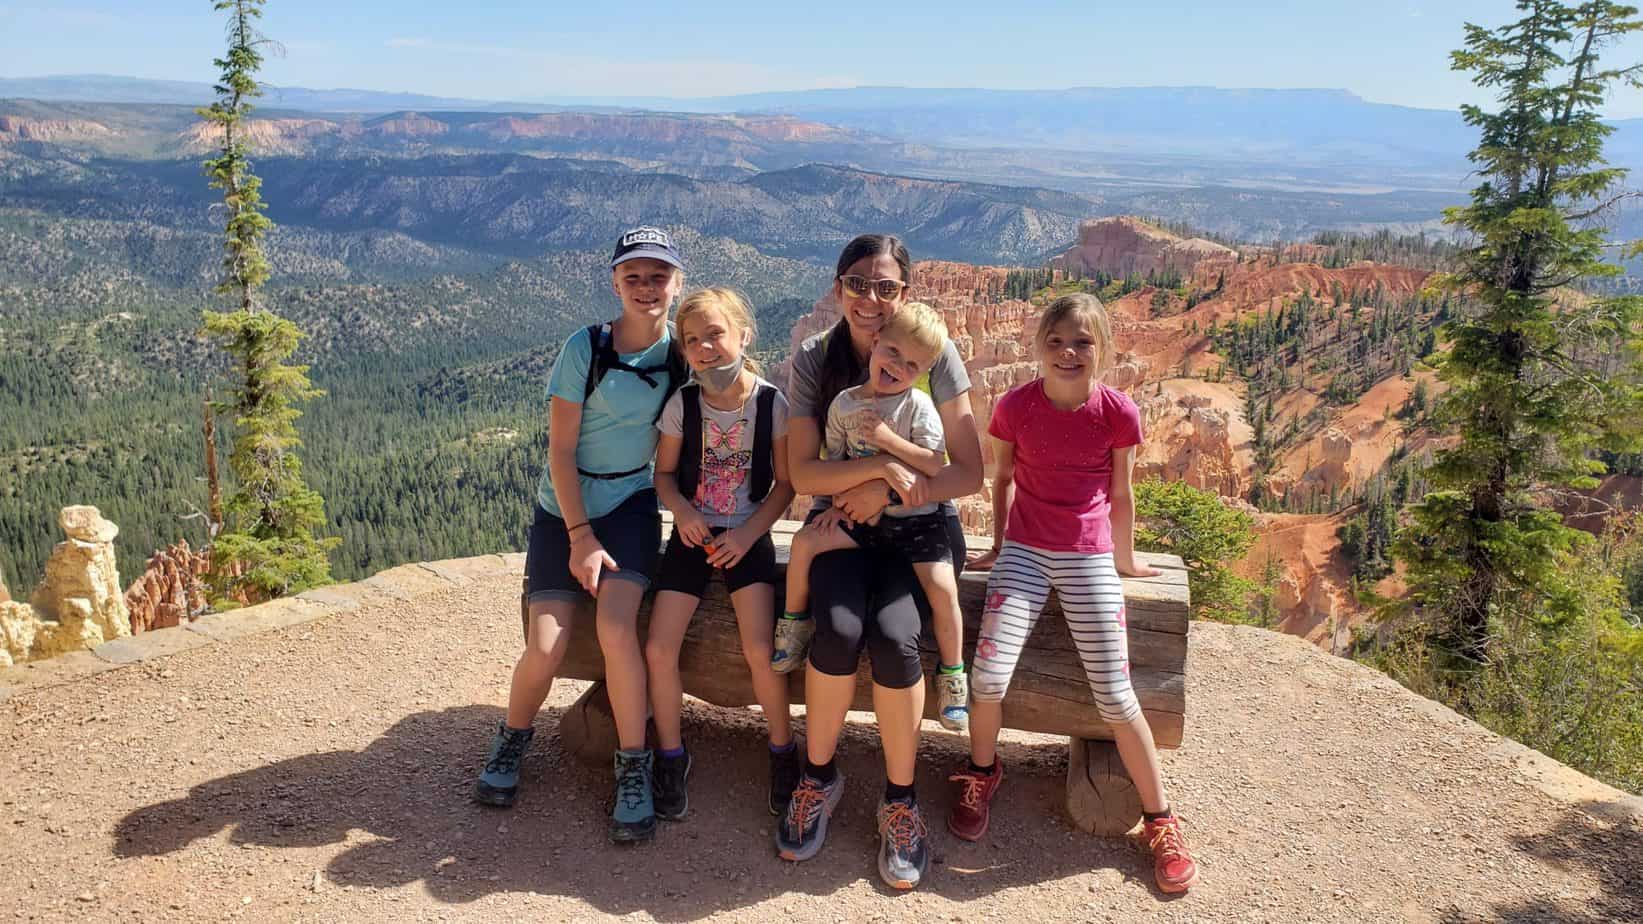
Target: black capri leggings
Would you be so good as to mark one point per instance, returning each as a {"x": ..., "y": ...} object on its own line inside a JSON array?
[{"x": 869, "y": 599}]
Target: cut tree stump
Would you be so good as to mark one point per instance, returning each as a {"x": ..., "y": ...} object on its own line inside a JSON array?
[
  {"x": 1100, "y": 796},
  {"x": 587, "y": 729},
  {"x": 1049, "y": 693}
]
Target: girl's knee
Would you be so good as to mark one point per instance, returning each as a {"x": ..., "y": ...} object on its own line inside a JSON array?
[
  {"x": 1117, "y": 705},
  {"x": 542, "y": 659},
  {"x": 660, "y": 655},
  {"x": 988, "y": 688},
  {"x": 758, "y": 652}
]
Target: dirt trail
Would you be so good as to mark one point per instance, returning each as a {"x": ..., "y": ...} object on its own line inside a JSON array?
[{"x": 320, "y": 772}]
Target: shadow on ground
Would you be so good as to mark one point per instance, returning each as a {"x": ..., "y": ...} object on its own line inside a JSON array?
[
  {"x": 1606, "y": 850},
  {"x": 401, "y": 807}
]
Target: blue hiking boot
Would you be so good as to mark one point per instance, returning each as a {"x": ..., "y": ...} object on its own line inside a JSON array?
[
  {"x": 499, "y": 782},
  {"x": 633, "y": 818}
]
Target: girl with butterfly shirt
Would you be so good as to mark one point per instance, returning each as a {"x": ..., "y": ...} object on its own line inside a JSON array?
[{"x": 721, "y": 467}]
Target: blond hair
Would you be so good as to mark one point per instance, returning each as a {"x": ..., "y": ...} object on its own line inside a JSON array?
[
  {"x": 732, "y": 306},
  {"x": 919, "y": 324},
  {"x": 1080, "y": 306}
]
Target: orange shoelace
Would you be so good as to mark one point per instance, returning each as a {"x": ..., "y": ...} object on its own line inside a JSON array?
[
  {"x": 1166, "y": 841},
  {"x": 902, "y": 823},
  {"x": 807, "y": 805},
  {"x": 973, "y": 785}
]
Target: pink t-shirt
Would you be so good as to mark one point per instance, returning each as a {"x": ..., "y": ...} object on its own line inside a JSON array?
[{"x": 1063, "y": 465}]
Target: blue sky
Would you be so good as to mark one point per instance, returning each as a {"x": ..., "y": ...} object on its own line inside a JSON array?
[{"x": 1393, "y": 51}]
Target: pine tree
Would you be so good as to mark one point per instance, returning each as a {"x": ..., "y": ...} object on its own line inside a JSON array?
[
  {"x": 268, "y": 547},
  {"x": 1525, "y": 393}
]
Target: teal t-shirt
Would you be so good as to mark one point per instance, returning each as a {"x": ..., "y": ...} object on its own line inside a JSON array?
[{"x": 618, "y": 423}]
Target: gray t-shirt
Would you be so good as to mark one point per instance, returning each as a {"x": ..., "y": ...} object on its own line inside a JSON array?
[
  {"x": 727, "y": 453},
  {"x": 948, "y": 380},
  {"x": 911, "y": 414}
]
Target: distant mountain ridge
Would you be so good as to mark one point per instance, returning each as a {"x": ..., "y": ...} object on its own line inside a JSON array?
[{"x": 1299, "y": 126}]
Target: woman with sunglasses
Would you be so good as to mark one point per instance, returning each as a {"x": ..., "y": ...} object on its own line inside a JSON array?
[{"x": 863, "y": 599}]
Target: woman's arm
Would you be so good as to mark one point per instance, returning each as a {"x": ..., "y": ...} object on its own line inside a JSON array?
[
  {"x": 927, "y": 462},
  {"x": 1122, "y": 498},
  {"x": 962, "y": 474},
  {"x": 815, "y": 475},
  {"x": 960, "y": 477}
]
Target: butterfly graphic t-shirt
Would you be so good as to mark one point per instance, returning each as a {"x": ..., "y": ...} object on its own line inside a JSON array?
[{"x": 727, "y": 453}]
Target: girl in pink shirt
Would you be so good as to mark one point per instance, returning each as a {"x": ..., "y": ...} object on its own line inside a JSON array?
[{"x": 1063, "y": 446}]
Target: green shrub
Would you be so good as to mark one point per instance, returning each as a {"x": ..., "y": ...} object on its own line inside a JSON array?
[{"x": 1208, "y": 535}]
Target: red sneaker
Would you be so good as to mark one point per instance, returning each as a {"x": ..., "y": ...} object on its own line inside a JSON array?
[
  {"x": 1172, "y": 864},
  {"x": 969, "y": 815}
]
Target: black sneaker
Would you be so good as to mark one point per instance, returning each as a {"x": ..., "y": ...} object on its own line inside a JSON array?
[
  {"x": 499, "y": 781},
  {"x": 785, "y": 769},
  {"x": 672, "y": 799},
  {"x": 904, "y": 844}
]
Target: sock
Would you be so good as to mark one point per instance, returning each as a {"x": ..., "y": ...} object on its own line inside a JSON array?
[
  {"x": 951, "y": 668},
  {"x": 787, "y": 748},
  {"x": 671, "y": 753},
  {"x": 895, "y": 793},
  {"x": 796, "y": 616},
  {"x": 984, "y": 771},
  {"x": 1154, "y": 816},
  {"x": 821, "y": 773}
]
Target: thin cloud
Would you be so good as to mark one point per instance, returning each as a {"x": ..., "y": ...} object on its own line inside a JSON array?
[{"x": 399, "y": 41}]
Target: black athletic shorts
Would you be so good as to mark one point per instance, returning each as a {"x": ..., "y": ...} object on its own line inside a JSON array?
[
  {"x": 920, "y": 539},
  {"x": 686, "y": 570},
  {"x": 632, "y": 534}
]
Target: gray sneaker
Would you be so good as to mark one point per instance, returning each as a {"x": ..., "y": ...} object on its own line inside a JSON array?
[
  {"x": 803, "y": 829},
  {"x": 792, "y": 643},
  {"x": 953, "y": 701},
  {"x": 904, "y": 844}
]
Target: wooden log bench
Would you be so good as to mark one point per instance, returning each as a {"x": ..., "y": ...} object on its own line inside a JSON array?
[{"x": 1048, "y": 693}]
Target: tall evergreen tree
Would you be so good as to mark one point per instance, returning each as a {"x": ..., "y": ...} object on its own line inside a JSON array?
[
  {"x": 1526, "y": 395},
  {"x": 268, "y": 547}
]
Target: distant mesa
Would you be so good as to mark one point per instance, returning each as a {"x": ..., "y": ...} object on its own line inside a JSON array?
[
  {"x": 1126, "y": 246},
  {"x": 17, "y": 128}
]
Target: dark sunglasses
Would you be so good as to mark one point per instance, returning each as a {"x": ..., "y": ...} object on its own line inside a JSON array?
[{"x": 859, "y": 286}]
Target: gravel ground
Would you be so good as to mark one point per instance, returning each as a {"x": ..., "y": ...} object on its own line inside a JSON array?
[{"x": 321, "y": 772}]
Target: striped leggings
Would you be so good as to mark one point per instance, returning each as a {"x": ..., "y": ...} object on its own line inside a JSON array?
[{"x": 1092, "y": 600}]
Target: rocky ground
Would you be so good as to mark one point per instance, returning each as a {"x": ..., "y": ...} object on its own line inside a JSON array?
[{"x": 320, "y": 772}]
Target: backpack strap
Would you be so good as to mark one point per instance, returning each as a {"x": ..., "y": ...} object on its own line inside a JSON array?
[
  {"x": 690, "y": 433},
  {"x": 601, "y": 354},
  {"x": 763, "y": 474},
  {"x": 602, "y": 343}
]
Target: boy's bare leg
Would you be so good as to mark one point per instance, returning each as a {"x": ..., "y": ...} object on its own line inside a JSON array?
[
  {"x": 940, "y": 583},
  {"x": 807, "y": 544}
]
